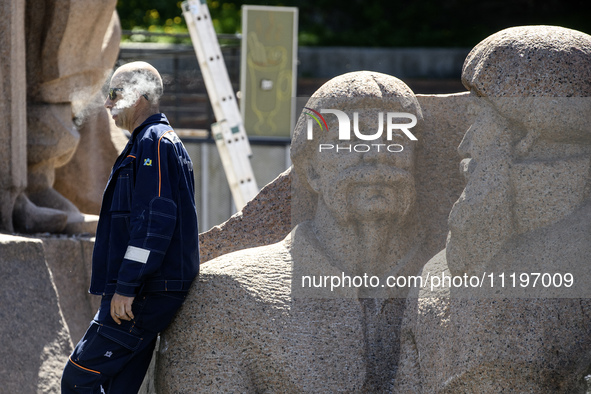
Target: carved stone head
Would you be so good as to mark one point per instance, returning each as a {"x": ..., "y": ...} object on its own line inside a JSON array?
[
  {"x": 526, "y": 156},
  {"x": 347, "y": 149}
]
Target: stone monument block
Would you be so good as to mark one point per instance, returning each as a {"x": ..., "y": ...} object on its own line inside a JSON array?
[
  {"x": 266, "y": 219},
  {"x": 70, "y": 263},
  {"x": 35, "y": 338}
]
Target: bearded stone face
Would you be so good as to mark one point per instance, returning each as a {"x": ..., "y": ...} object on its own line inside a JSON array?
[
  {"x": 481, "y": 220},
  {"x": 364, "y": 186}
]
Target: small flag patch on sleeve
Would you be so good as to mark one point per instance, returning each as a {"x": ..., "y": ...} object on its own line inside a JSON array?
[{"x": 137, "y": 254}]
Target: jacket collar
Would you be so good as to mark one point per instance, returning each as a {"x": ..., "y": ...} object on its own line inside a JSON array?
[{"x": 156, "y": 118}]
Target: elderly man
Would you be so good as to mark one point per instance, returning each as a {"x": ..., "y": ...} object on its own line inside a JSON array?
[
  {"x": 521, "y": 224},
  {"x": 265, "y": 327},
  {"x": 146, "y": 250}
]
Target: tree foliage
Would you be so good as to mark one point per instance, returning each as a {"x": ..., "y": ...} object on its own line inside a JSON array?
[{"x": 375, "y": 23}]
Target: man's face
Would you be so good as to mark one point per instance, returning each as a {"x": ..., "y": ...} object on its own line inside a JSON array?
[
  {"x": 481, "y": 220},
  {"x": 121, "y": 102},
  {"x": 364, "y": 186}
]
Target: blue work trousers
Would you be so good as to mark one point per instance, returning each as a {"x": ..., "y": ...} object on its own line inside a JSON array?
[{"x": 113, "y": 358}]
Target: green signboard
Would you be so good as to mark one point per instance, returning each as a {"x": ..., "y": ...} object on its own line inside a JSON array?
[{"x": 268, "y": 69}]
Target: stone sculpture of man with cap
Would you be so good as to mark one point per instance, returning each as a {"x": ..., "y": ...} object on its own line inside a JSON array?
[{"x": 525, "y": 211}]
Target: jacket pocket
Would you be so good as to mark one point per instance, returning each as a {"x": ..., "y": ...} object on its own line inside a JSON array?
[{"x": 123, "y": 187}]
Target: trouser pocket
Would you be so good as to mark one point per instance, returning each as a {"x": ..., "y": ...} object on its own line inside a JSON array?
[
  {"x": 77, "y": 379},
  {"x": 106, "y": 349}
]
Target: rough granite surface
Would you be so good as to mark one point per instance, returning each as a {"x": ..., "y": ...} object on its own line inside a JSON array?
[
  {"x": 264, "y": 220},
  {"x": 35, "y": 341}
]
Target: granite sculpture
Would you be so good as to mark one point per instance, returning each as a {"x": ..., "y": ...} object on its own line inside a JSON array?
[
  {"x": 35, "y": 338},
  {"x": 259, "y": 330},
  {"x": 525, "y": 209},
  {"x": 70, "y": 51},
  {"x": 52, "y": 71}
]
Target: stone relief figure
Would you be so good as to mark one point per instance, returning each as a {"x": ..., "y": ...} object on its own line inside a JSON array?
[
  {"x": 526, "y": 208},
  {"x": 251, "y": 326},
  {"x": 71, "y": 47}
]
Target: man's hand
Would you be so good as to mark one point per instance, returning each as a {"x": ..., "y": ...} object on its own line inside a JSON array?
[{"x": 121, "y": 308}]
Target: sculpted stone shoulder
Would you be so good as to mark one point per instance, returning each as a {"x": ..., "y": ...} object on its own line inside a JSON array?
[{"x": 248, "y": 334}]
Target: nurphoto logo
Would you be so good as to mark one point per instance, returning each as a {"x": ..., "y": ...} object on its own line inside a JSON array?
[{"x": 344, "y": 130}]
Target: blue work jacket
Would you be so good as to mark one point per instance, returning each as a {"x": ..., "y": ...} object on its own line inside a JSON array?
[{"x": 147, "y": 237}]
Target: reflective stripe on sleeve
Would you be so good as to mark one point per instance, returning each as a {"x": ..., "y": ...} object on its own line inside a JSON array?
[{"x": 137, "y": 254}]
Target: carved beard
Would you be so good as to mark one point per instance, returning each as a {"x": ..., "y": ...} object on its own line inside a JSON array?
[
  {"x": 481, "y": 220},
  {"x": 366, "y": 193}
]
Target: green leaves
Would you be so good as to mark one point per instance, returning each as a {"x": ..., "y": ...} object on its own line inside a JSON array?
[{"x": 376, "y": 23}]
